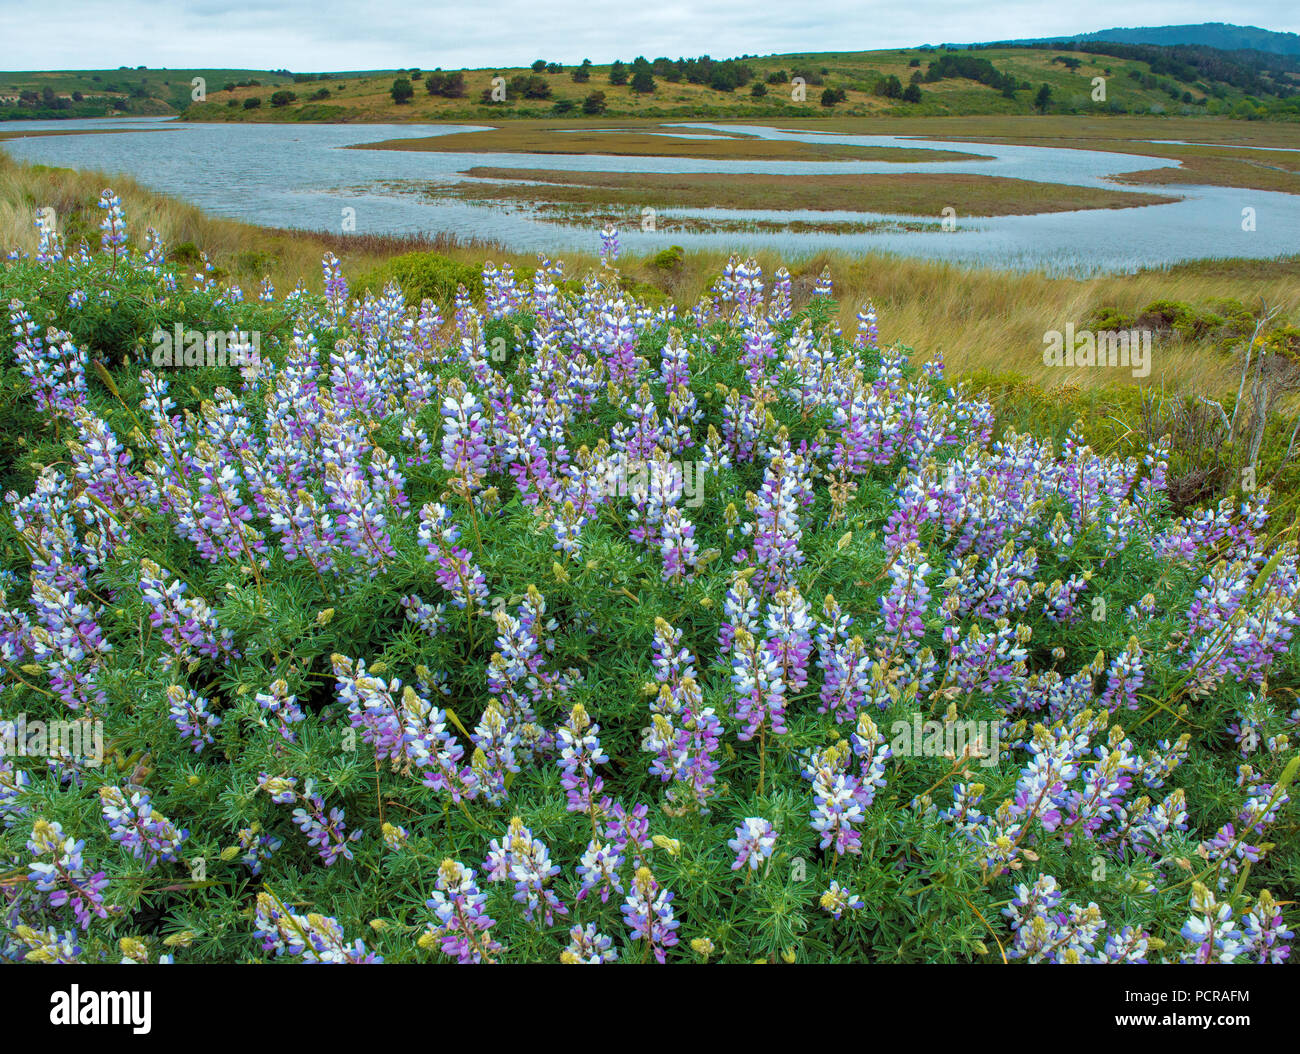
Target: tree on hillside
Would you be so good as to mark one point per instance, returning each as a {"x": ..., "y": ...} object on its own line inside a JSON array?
[
  {"x": 617, "y": 73},
  {"x": 643, "y": 82},
  {"x": 283, "y": 98},
  {"x": 539, "y": 66},
  {"x": 534, "y": 87},
  {"x": 890, "y": 87},
  {"x": 912, "y": 93},
  {"x": 1043, "y": 97},
  {"x": 448, "y": 85},
  {"x": 583, "y": 73},
  {"x": 594, "y": 103},
  {"x": 723, "y": 77},
  {"x": 401, "y": 91}
]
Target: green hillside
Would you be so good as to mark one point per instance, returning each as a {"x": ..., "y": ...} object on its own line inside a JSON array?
[
  {"x": 908, "y": 82},
  {"x": 54, "y": 94}
]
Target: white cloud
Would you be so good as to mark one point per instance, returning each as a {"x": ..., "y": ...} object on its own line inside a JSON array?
[{"x": 330, "y": 35}]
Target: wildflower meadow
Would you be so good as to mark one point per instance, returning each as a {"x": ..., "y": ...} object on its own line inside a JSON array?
[{"x": 551, "y": 624}]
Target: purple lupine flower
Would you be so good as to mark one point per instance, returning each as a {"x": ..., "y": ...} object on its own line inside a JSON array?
[
  {"x": 190, "y": 714},
  {"x": 520, "y": 857},
  {"x": 608, "y": 245},
  {"x": 136, "y": 825},
  {"x": 838, "y": 807},
  {"x": 456, "y": 573},
  {"x": 1265, "y": 931},
  {"x": 113, "y": 226},
  {"x": 648, "y": 913},
  {"x": 580, "y": 752},
  {"x": 586, "y": 945},
  {"x": 316, "y": 938},
  {"x": 755, "y": 839},
  {"x": 904, "y": 605},
  {"x": 838, "y": 899},
  {"x": 599, "y": 870},
  {"x": 63, "y": 878},
  {"x": 1211, "y": 933},
  {"x": 461, "y": 929},
  {"x": 465, "y": 449},
  {"x": 283, "y": 706},
  {"x": 257, "y": 847}
]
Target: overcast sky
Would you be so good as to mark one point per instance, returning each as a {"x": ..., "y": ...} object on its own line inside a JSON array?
[{"x": 318, "y": 35}]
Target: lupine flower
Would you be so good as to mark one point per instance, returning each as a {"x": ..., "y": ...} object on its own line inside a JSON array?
[
  {"x": 755, "y": 839},
  {"x": 1265, "y": 931},
  {"x": 520, "y": 857},
  {"x": 461, "y": 929},
  {"x": 648, "y": 913},
  {"x": 599, "y": 870},
  {"x": 113, "y": 226},
  {"x": 316, "y": 938},
  {"x": 136, "y": 825},
  {"x": 588, "y": 946},
  {"x": 283, "y": 707},
  {"x": 838, "y": 899},
  {"x": 456, "y": 573},
  {"x": 580, "y": 753},
  {"x": 62, "y": 878},
  {"x": 608, "y": 245},
  {"x": 255, "y": 847},
  {"x": 48, "y": 945},
  {"x": 189, "y": 713},
  {"x": 1211, "y": 931}
]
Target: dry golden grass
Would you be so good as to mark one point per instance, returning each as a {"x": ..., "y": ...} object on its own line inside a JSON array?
[
  {"x": 1210, "y": 155},
  {"x": 914, "y": 194},
  {"x": 652, "y": 140},
  {"x": 1070, "y": 130}
]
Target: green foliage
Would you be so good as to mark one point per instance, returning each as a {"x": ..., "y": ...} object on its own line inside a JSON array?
[
  {"x": 402, "y": 91},
  {"x": 669, "y": 259},
  {"x": 424, "y": 275},
  {"x": 447, "y": 85}
]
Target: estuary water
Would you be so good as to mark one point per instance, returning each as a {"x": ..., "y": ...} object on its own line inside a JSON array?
[{"x": 302, "y": 176}]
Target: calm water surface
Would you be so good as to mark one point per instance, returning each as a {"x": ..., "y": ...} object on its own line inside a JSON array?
[{"x": 301, "y": 176}]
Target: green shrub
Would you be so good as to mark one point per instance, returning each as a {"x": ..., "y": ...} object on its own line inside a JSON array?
[
  {"x": 424, "y": 275},
  {"x": 669, "y": 259}
]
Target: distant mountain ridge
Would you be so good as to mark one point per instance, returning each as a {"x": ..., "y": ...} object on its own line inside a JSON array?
[{"x": 1222, "y": 35}]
